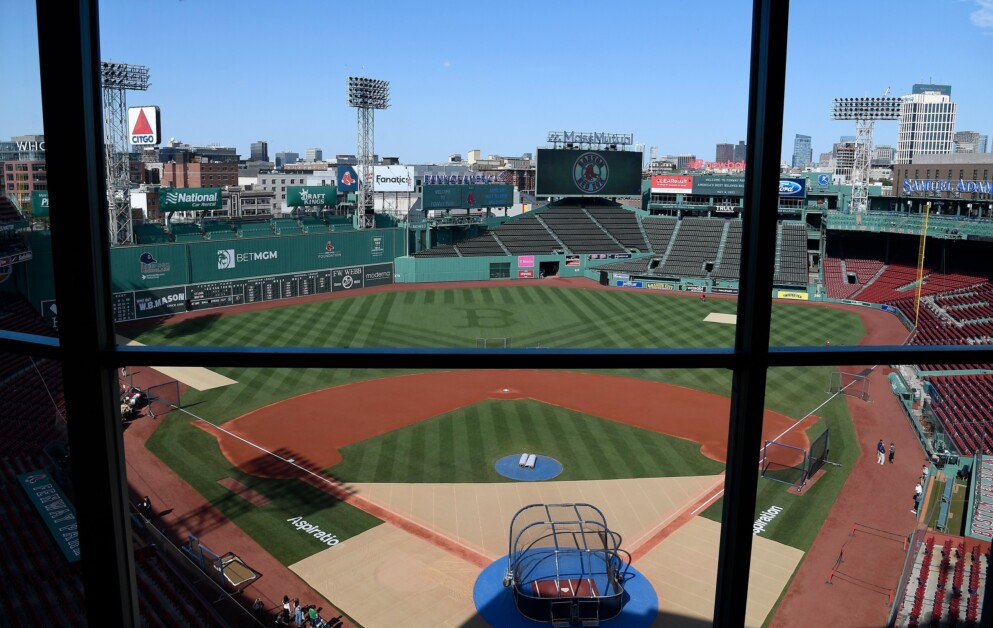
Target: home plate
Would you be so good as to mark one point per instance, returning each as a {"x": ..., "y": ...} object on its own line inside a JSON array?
[{"x": 714, "y": 317}]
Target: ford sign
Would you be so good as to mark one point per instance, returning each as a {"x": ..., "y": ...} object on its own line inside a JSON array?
[{"x": 791, "y": 187}]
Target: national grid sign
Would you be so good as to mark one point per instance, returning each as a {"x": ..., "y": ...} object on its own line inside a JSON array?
[{"x": 588, "y": 173}]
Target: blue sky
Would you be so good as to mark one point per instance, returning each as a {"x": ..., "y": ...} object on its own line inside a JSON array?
[{"x": 499, "y": 76}]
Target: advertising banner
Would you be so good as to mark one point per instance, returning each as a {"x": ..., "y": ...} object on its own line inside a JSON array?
[
  {"x": 792, "y": 188},
  {"x": 393, "y": 178},
  {"x": 525, "y": 261},
  {"x": 159, "y": 302},
  {"x": 660, "y": 285},
  {"x": 629, "y": 284},
  {"x": 183, "y": 199},
  {"x": 525, "y": 274},
  {"x": 487, "y": 195},
  {"x": 665, "y": 184},
  {"x": 441, "y": 196},
  {"x": 721, "y": 290},
  {"x": 588, "y": 172},
  {"x": 54, "y": 509},
  {"x": 719, "y": 185},
  {"x": 311, "y": 195},
  {"x": 788, "y": 294},
  {"x": 144, "y": 126},
  {"x": 346, "y": 279},
  {"x": 377, "y": 275},
  {"x": 572, "y": 260},
  {"x": 39, "y": 203},
  {"x": 347, "y": 178}
]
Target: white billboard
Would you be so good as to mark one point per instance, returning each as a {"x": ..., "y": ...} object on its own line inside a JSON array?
[
  {"x": 144, "y": 127},
  {"x": 393, "y": 178}
]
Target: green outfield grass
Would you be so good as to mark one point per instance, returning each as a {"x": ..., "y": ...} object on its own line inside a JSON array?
[
  {"x": 463, "y": 445},
  {"x": 531, "y": 316}
]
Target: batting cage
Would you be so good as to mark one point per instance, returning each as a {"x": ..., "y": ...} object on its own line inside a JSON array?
[
  {"x": 565, "y": 565},
  {"x": 793, "y": 465},
  {"x": 851, "y": 384},
  {"x": 163, "y": 398}
]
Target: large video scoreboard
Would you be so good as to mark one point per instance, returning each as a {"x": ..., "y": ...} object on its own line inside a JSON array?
[{"x": 567, "y": 172}]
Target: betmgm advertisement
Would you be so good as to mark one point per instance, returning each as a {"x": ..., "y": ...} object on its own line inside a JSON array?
[{"x": 588, "y": 173}]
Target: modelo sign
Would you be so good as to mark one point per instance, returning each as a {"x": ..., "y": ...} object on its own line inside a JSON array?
[
  {"x": 144, "y": 126},
  {"x": 792, "y": 188},
  {"x": 182, "y": 199},
  {"x": 393, "y": 179}
]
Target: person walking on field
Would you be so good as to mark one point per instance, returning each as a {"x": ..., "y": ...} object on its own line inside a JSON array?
[
  {"x": 924, "y": 473},
  {"x": 892, "y": 451},
  {"x": 880, "y": 452},
  {"x": 918, "y": 493}
]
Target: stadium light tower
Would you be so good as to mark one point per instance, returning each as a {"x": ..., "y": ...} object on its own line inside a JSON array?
[
  {"x": 117, "y": 79},
  {"x": 367, "y": 95},
  {"x": 865, "y": 112}
]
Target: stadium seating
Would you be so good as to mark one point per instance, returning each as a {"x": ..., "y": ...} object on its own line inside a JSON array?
[
  {"x": 442, "y": 250},
  {"x": 575, "y": 228},
  {"x": 286, "y": 226},
  {"x": 255, "y": 230},
  {"x": 8, "y": 211},
  {"x": 929, "y": 600},
  {"x": 696, "y": 244},
  {"x": 218, "y": 230},
  {"x": 186, "y": 232},
  {"x": 791, "y": 266},
  {"x": 313, "y": 224},
  {"x": 150, "y": 233},
  {"x": 525, "y": 236},
  {"x": 659, "y": 230},
  {"x": 728, "y": 266},
  {"x": 485, "y": 244},
  {"x": 622, "y": 224}
]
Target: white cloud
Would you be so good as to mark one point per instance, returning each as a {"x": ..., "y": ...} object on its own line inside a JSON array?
[
  {"x": 983, "y": 16},
  {"x": 448, "y": 64}
]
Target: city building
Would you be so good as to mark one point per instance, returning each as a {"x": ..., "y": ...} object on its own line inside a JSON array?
[
  {"x": 683, "y": 161},
  {"x": 22, "y": 162},
  {"x": 313, "y": 154},
  {"x": 259, "y": 151},
  {"x": 961, "y": 181},
  {"x": 883, "y": 155},
  {"x": 983, "y": 145},
  {"x": 927, "y": 122},
  {"x": 725, "y": 153},
  {"x": 286, "y": 157},
  {"x": 802, "y": 153},
  {"x": 966, "y": 142},
  {"x": 739, "y": 151}
]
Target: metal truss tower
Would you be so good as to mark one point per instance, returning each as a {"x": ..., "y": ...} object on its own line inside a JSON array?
[
  {"x": 117, "y": 79},
  {"x": 865, "y": 112},
  {"x": 367, "y": 95}
]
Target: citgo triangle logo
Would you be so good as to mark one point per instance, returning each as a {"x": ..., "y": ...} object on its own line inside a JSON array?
[{"x": 141, "y": 127}]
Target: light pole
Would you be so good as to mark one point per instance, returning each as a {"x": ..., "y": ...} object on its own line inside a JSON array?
[{"x": 367, "y": 95}]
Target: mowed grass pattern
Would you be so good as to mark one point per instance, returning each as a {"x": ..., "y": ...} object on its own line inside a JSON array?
[
  {"x": 531, "y": 316},
  {"x": 464, "y": 445}
]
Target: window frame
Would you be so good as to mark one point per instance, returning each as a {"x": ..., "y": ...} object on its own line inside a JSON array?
[{"x": 71, "y": 103}]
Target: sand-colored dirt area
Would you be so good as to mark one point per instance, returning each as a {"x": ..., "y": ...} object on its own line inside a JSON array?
[{"x": 195, "y": 377}]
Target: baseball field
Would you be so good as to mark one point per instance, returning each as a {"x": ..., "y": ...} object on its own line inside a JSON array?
[{"x": 396, "y": 468}]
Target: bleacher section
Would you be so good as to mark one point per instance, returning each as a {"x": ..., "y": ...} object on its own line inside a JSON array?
[
  {"x": 150, "y": 233},
  {"x": 8, "y": 212},
  {"x": 442, "y": 250},
  {"x": 622, "y": 224},
  {"x": 255, "y": 230},
  {"x": 313, "y": 224},
  {"x": 526, "y": 236},
  {"x": 697, "y": 244},
  {"x": 218, "y": 230},
  {"x": 659, "y": 231},
  {"x": 186, "y": 232},
  {"x": 485, "y": 244},
  {"x": 729, "y": 265},
  {"x": 577, "y": 231},
  {"x": 286, "y": 226},
  {"x": 792, "y": 268}
]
